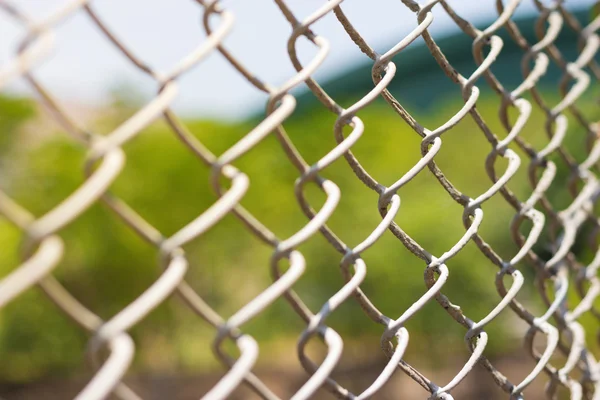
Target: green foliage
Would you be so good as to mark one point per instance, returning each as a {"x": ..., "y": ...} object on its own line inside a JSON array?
[
  {"x": 14, "y": 112},
  {"x": 107, "y": 265}
]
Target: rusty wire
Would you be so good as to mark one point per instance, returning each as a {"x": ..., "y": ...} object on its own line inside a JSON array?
[{"x": 43, "y": 247}]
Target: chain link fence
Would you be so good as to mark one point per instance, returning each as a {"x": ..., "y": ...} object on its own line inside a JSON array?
[{"x": 111, "y": 349}]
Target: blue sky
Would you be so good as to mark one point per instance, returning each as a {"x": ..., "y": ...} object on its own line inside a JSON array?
[{"x": 85, "y": 67}]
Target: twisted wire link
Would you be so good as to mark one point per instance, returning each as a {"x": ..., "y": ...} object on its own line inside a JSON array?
[
  {"x": 385, "y": 194},
  {"x": 521, "y": 208},
  {"x": 170, "y": 247},
  {"x": 43, "y": 247},
  {"x": 577, "y": 354},
  {"x": 500, "y": 147}
]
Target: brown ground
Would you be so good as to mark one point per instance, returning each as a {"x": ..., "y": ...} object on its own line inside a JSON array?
[{"x": 477, "y": 385}]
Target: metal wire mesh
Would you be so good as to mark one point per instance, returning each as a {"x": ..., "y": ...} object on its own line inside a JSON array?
[{"x": 43, "y": 247}]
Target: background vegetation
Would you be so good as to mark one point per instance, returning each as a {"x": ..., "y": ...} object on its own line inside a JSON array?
[{"x": 106, "y": 265}]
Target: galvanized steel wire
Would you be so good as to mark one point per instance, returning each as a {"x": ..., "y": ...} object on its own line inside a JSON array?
[{"x": 580, "y": 375}]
